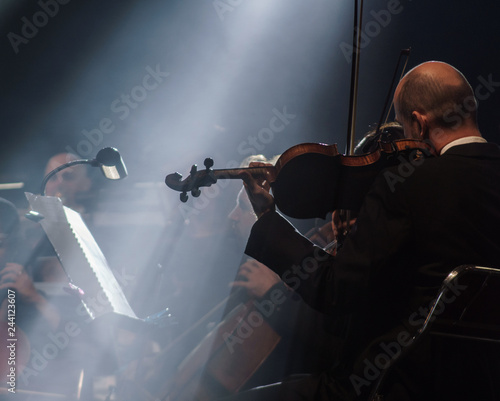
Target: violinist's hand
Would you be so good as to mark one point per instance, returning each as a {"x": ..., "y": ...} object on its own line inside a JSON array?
[
  {"x": 256, "y": 278},
  {"x": 258, "y": 187},
  {"x": 340, "y": 225},
  {"x": 322, "y": 236},
  {"x": 14, "y": 276}
]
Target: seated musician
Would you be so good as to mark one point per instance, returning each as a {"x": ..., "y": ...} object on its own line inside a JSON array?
[
  {"x": 411, "y": 231},
  {"x": 48, "y": 308},
  {"x": 305, "y": 345},
  {"x": 71, "y": 184},
  {"x": 13, "y": 275},
  {"x": 45, "y": 352},
  {"x": 298, "y": 326}
]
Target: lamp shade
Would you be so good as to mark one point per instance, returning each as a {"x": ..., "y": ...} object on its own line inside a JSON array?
[{"x": 111, "y": 164}]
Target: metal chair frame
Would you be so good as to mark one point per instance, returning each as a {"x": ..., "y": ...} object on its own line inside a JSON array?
[{"x": 445, "y": 329}]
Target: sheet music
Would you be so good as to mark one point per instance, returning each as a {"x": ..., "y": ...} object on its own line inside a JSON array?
[{"x": 81, "y": 257}]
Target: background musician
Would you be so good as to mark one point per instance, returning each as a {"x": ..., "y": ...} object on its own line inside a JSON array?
[
  {"x": 306, "y": 345},
  {"x": 53, "y": 362}
]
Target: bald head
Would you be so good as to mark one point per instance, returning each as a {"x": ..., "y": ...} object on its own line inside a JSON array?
[{"x": 441, "y": 92}]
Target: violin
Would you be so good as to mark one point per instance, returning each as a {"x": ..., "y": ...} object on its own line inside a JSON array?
[{"x": 310, "y": 180}]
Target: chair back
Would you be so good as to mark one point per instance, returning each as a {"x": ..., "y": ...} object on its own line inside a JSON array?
[{"x": 467, "y": 306}]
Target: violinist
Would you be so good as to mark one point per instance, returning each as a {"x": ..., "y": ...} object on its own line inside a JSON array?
[
  {"x": 408, "y": 237},
  {"x": 306, "y": 345}
]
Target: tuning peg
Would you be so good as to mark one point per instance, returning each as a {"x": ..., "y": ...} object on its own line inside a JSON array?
[
  {"x": 194, "y": 169},
  {"x": 196, "y": 192},
  {"x": 184, "y": 197},
  {"x": 209, "y": 163}
]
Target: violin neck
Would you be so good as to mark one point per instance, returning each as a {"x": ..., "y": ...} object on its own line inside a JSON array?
[
  {"x": 235, "y": 173},
  {"x": 205, "y": 178}
]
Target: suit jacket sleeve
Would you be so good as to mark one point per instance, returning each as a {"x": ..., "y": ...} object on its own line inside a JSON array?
[{"x": 383, "y": 228}]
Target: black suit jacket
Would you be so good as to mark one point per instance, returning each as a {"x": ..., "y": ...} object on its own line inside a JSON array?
[{"x": 418, "y": 222}]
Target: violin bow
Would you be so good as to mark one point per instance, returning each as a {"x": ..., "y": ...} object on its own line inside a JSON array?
[
  {"x": 404, "y": 52},
  {"x": 351, "y": 123},
  {"x": 356, "y": 39}
]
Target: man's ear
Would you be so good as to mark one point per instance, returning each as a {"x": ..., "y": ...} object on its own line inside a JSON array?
[{"x": 420, "y": 124}]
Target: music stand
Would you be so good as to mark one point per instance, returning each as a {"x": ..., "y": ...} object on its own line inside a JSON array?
[{"x": 82, "y": 260}]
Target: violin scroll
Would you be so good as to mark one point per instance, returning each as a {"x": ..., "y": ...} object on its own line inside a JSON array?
[{"x": 194, "y": 181}]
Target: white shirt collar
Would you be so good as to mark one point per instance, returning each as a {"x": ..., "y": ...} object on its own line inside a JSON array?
[{"x": 462, "y": 141}]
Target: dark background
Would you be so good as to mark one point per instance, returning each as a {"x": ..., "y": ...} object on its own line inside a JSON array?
[
  {"x": 233, "y": 65},
  {"x": 230, "y": 63}
]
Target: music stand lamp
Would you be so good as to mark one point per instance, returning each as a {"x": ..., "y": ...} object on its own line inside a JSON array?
[{"x": 107, "y": 159}]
